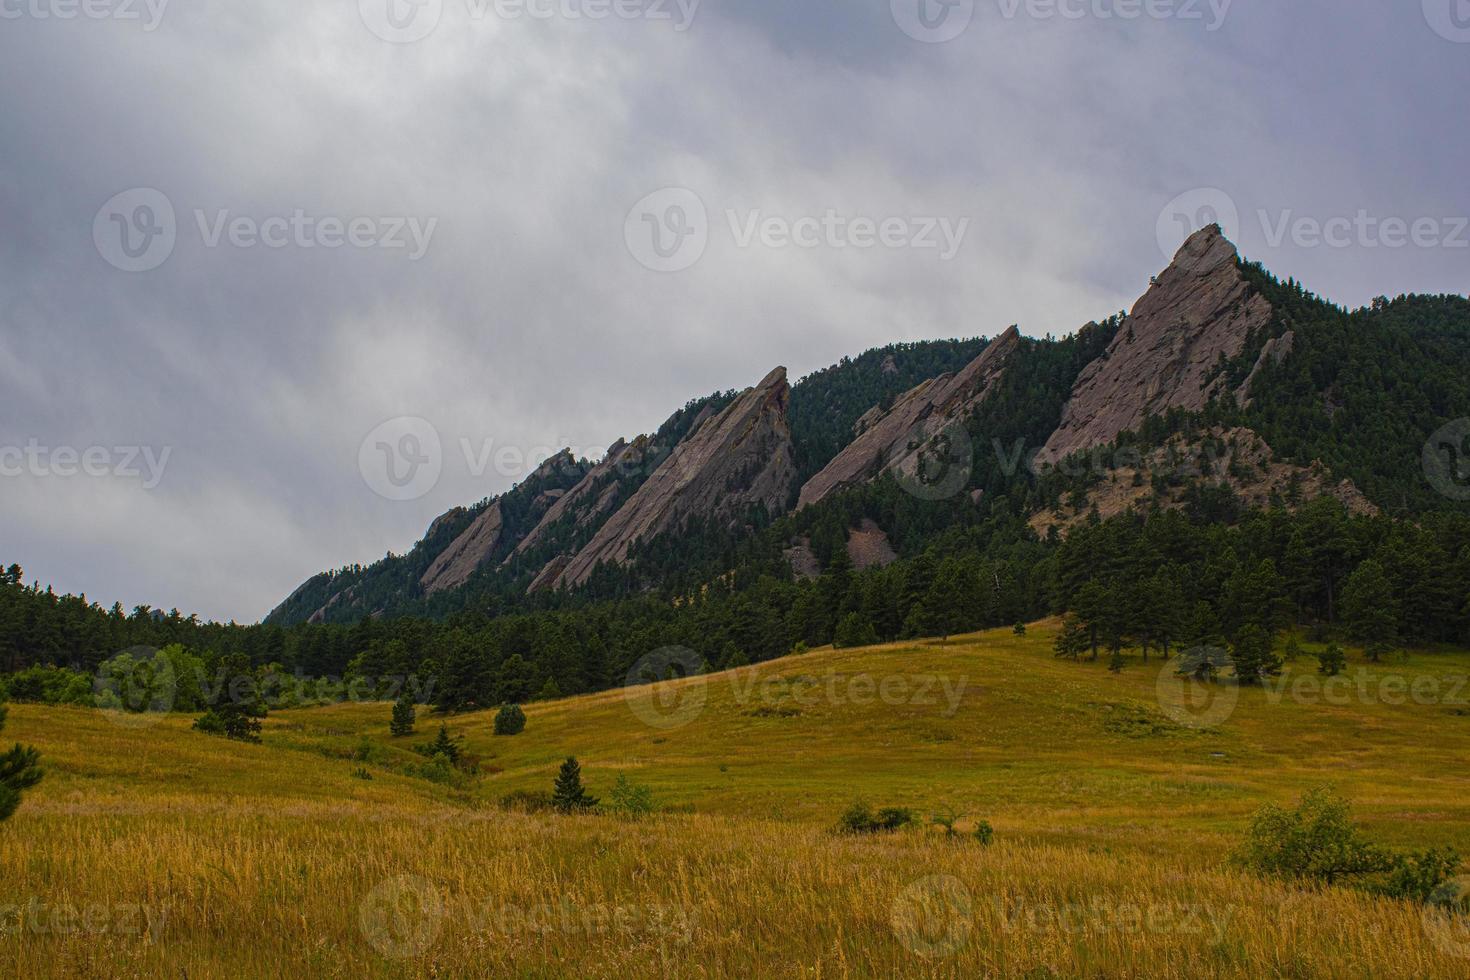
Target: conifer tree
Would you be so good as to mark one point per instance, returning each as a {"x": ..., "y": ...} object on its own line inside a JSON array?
[
  {"x": 404, "y": 715},
  {"x": 19, "y": 770},
  {"x": 570, "y": 796}
]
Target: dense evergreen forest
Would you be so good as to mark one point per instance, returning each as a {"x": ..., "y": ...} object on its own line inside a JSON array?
[{"x": 1162, "y": 580}]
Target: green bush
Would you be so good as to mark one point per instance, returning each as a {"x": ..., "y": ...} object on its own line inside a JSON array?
[
  {"x": 859, "y": 818},
  {"x": 1419, "y": 876},
  {"x": 510, "y": 720},
  {"x": 1314, "y": 842},
  {"x": 984, "y": 833},
  {"x": 49, "y": 685},
  {"x": 1317, "y": 842},
  {"x": 629, "y": 799}
]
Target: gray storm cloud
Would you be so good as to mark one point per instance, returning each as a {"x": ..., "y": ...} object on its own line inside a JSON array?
[{"x": 261, "y": 355}]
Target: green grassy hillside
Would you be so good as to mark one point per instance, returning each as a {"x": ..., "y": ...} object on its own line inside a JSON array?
[{"x": 272, "y": 859}]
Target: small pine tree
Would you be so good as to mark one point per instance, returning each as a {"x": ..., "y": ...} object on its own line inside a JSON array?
[
  {"x": 1332, "y": 660},
  {"x": 404, "y": 716},
  {"x": 569, "y": 795},
  {"x": 444, "y": 745},
  {"x": 1019, "y": 629},
  {"x": 19, "y": 770},
  {"x": 510, "y": 720},
  {"x": 550, "y": 691}
]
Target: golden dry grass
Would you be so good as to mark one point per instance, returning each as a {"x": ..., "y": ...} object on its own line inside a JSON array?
[{"x": 183, "y": 855}]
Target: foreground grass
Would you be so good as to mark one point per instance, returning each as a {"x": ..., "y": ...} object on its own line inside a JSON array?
[{"x": 189, "y": 856}]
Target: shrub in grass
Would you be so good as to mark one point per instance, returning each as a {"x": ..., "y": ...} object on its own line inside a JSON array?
[
  {"x": 984, "y": 833},
  {"x": 1316, "y": 842},
  {"x": 629, "y": 799},
  {"x": 946, "y": 818},
  {"x": 860, "y": 818},
  {"x": 510, "y": 720},
  {"x": 1420, "y": 876}
]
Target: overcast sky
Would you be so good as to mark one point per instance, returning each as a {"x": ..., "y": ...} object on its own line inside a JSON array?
[{"x": 464, "y": 230}]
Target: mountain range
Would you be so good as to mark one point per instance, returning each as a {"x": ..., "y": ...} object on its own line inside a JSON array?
[{"x": 1221, "y": 378}]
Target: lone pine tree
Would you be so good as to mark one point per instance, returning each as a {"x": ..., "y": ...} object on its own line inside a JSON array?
[
  {"x": 403, "y": 717},
  {"x": 570, "y": 796}
]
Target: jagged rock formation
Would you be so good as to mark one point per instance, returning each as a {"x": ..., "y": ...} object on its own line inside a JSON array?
[
  {"x": 453, "y": 566},
  {"x": 456, "y": 563},
  {"x": 618, "y": 455},
  {"x": 886, "y": 440},
  {"x": 1166, "y": 352},
  {"x": 736, "y": 458}
]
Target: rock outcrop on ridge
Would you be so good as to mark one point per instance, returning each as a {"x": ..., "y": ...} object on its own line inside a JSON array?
[
  {"x": 885, "y": 441},
  {"x": 736, "y": 458}
]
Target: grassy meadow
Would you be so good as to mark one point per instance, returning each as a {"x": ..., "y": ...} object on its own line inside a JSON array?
[{"x": 151, "y": 850}]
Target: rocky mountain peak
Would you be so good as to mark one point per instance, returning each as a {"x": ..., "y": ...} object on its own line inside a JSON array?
[{"x": 1198, "y": 310}]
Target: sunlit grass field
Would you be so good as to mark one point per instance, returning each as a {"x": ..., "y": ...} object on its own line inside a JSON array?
[{"x": 153, "y": 850}]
